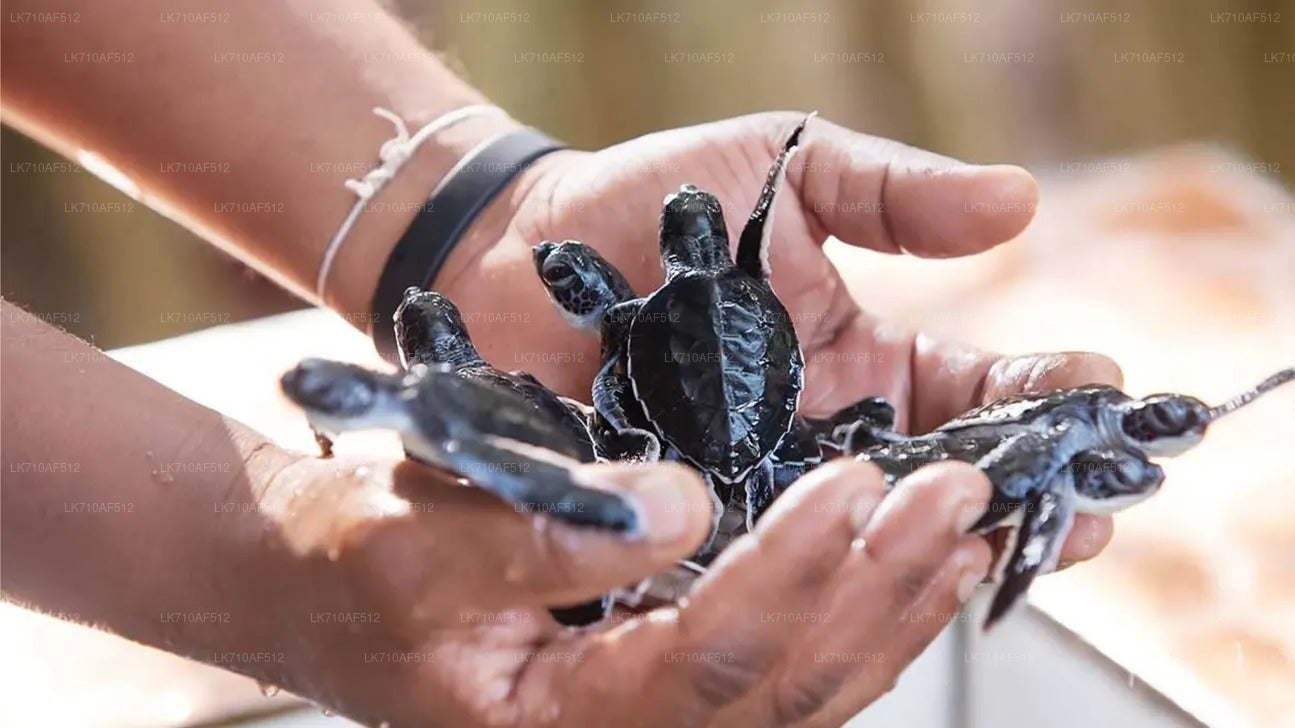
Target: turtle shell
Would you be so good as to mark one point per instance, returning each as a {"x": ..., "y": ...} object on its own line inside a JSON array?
[
  {"x": 485, "y": 407},
  {"x": 716, "y": 365}
]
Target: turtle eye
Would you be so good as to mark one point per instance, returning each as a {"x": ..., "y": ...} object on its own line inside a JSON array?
[{"x": 557, "y": 272}]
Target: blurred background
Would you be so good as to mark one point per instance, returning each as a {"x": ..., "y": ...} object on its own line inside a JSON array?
[{"x": 905, "y": 70}]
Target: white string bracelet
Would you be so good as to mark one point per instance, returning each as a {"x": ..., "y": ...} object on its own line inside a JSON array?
[{"x": 393, "y": 154}]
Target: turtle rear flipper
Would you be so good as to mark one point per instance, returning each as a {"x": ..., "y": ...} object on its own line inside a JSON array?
[
  {"x": 1046, "y": 519},
  {"x": 537, "y": 481}
]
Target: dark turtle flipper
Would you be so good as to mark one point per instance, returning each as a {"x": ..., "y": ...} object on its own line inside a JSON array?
[
  {"x": 632, "y": 444},
  {"x": 579, "y": 615},
  {"x": 1047, "y": 516},
  {"x": 753, "y": 246},
  {"x": 851, "y": 429},
  {"x": 535, "y": 481},
  {"x": 798, "y": 453},
  {"x": 759, "y": 492},
  {"x": 611, "y": 393},
  {"x": 1019, "y": 467}
]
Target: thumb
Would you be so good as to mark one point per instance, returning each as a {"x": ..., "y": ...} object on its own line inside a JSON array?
[
  {"x": 497, "y": 557},
  {"x": 890, "y": 197},
  {"x": 564, "y": 563}
]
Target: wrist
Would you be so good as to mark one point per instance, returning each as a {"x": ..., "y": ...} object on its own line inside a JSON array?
[{"x": 388, "y": 214}]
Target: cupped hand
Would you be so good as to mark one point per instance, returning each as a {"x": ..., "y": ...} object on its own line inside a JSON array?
[
  {"x": 865, "y": 191},
  {"x": 425, "y": 600}
]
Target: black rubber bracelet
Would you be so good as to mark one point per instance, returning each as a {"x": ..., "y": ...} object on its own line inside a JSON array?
[{"x": 453, "y": 206}]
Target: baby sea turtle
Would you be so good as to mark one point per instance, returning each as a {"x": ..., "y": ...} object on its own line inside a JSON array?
[
  {"x": 1052, "y": 455},
  {"x": 491, "y": 436},
  {"x": 709, "y": 362},
  {"x": 430, "y": 332}
]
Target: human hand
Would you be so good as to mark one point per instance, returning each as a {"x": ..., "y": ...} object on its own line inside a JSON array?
[
  {"x": 863, "y": 190},
  {"x": 808, "y": 619}
]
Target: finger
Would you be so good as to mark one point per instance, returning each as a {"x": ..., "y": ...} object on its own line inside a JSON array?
[
  {"x": 1088, "y": 536},
  {"x": 881, "y": 194},
  {"x": 1043, "y": 372},
  {"x": 901, "y": 550},
  {"x": 739, "y": 618},
  {"x": 464, "y": 546},
  {"x": 951, "y": 379},
  {"x": 930, "y": 381},
  {"x": 937, "y": 607}
]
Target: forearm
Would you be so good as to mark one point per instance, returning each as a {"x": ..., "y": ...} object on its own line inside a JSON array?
[
  {"x": 132, "y": 507},
  {"x": 284, "y": 128}
]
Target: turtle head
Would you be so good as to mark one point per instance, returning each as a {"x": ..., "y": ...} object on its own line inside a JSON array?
[
  {"x": 693, "y": 234},
  {"x": 580, "y": 281},
  {"x": 1170, "y": 424},
  {"x": 338, "y": 397},
  {"x": 430, "y": 330},
  {"x": 1165, "y": 424}
]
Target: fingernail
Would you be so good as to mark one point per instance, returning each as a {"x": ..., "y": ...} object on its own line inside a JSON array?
[
  {"x": 972, "y": 572},
  {"x": 968, "y": 582}
]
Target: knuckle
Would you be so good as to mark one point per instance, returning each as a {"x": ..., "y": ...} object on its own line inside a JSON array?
[
  {"x": 888, "y": 683},
  {"x": 555, "y": 564},
  {"x": 910, "y": 583},
  {"x": 796, "y": 699},
  {"x": 721, "y": 682}
]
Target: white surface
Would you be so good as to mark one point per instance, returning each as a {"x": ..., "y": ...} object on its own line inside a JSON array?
[{"x": 56, "y": 673}]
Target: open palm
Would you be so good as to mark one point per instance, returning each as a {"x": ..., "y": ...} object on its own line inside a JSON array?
[{"x": 865, "y": 191}]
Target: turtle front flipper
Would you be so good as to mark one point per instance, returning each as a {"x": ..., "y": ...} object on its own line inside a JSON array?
[
  {"x": 760, "y": 492},
  {"x": 753, "y": 246},
  {"x": 797, "y": 454},
  {"x": 594, "y": 610},
  {"x": 617, "y": 434},
  {"x": 535, "y": 480},
  {"x": 632, "y": 445},
  {"x": 851, "y": 429},
  {"x": 1045, "y": 521},
  {"x": 1032, "y": 488}
]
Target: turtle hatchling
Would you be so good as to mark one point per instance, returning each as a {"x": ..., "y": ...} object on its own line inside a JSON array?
[
  {"x": 491, "y": 436},
  {"x": 430, "y": 332},
  {"x": 709, "y": 362},
  {"x": 1052, "y": 455}
]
